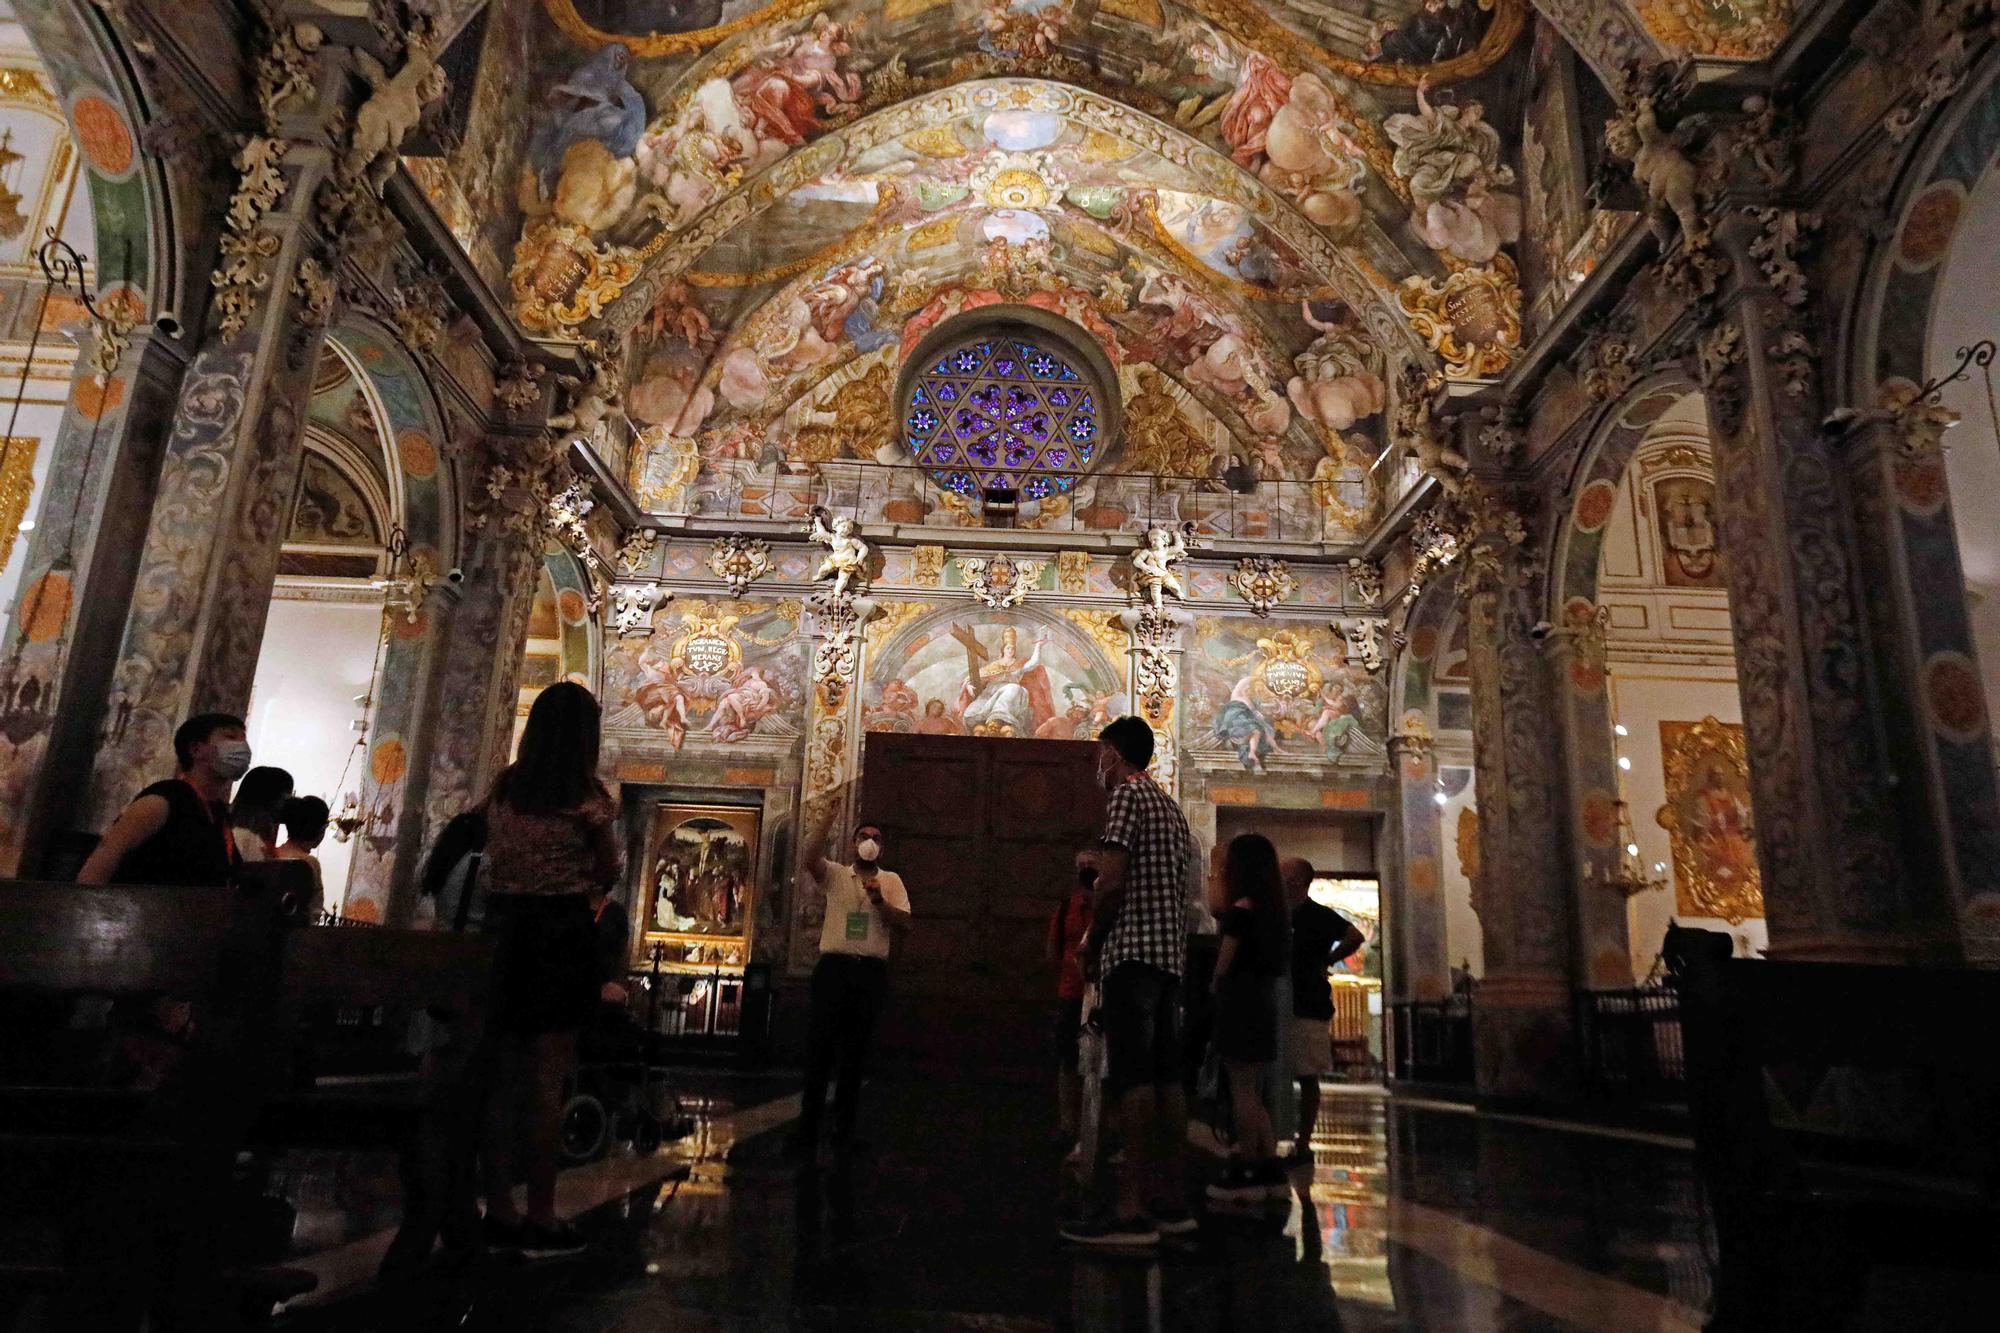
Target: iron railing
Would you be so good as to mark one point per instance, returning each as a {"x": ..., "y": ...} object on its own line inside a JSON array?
[
  {"x": 1631, "y": 1043},
  {"x": 1430, "y": 1041},
  {"x": 1338, "y": 510}
]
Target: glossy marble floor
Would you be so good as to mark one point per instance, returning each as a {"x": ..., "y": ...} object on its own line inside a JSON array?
[{"x": 1428, "y": 1218}]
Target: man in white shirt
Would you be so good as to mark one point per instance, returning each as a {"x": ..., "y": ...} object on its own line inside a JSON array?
[{"x": 866, "y": 906}]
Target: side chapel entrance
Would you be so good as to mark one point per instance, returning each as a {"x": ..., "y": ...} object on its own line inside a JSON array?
[{"x": 982, "y": 830}]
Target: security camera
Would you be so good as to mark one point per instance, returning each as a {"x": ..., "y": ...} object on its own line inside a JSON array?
[
  {"x": 168, "y": 322},
  {"x": 1541, "y": 630},
  {"x": 454, "y": 576}
]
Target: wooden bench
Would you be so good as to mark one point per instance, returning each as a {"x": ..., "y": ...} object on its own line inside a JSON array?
[
  {"x": 1845, "y": 1124},
  {"x": 114, "y": 1185}
]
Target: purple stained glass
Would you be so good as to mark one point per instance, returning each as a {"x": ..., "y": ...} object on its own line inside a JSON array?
[{"x": 999, "y": 414}]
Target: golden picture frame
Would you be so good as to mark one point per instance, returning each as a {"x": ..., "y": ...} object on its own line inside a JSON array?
[
  {"x": 697, "y": 885},
  {"x": 1708, "y": 820}
]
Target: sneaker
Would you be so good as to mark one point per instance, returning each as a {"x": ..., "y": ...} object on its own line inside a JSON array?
[
  {"x": 1176, "y": 1221},
  {"x": 502, "y": 1236},
  {"x": 552, "y": 1242},
  {"x": 1113, "y": 1232}
]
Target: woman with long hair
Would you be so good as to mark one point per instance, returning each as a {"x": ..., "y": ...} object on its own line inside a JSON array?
[
  {"x": 1249, "y": 903},
  {"x": 551, "y": 839}
]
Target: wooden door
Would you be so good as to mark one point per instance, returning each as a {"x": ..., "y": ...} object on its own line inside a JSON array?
[{"x": 983, "y": 831}]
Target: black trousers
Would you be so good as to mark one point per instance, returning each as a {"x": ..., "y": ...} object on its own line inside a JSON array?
[{"x": 847, "y": 996}]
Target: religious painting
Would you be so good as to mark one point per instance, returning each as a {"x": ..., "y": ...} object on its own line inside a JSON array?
[
  {"x": 1708, "y": 820},
  {"x": 711, "y": 675},
  {"x": 1003, "y": 674},
  {"x": 1265, "y": 696},
  {"x": 1684, "y": 509},
  {"x": 698, "y": 881}
]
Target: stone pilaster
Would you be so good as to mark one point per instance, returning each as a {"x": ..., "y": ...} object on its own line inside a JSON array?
[
  {"x": 1603, "y": 931},
  {"x": 836, "y": 631},
  {"x": 1422, "y": 961},
  {"x": 1158, "y": 639},
  {"x": 1836, "y": 883},
  {"x": 1523, "y": 1020}
]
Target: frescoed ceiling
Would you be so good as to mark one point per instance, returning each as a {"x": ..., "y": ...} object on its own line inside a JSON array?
[{"x": 1277, "y": 205}]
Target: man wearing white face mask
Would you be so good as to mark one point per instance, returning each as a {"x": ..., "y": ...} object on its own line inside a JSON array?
[
  {"x": 865, "y": 906},
  {"x": 177, "y": 831}
]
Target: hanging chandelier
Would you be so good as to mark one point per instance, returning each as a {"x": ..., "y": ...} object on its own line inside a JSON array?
[{"x": 1627, "y": 877}]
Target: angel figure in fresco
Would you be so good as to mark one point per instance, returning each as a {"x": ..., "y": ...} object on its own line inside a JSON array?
[
  {"x": 1289, "y": 132},
  {"x": 1004, "y": 695},
  {"x": 1450, "y": 157},
  {"x": 1334, "y": 727},
  {"x": 1243, "y": 725},
  {"x": 1439, "y": 30},
  {"x": 1153, "y": 565},
  {"x": 803, "y": 330},
  {"x": 751, "y": 696},
  {"x": 1334, "y": 385},
  {"x": 846, "y": 559},
  {"x": 1218, "y": 353},
  {"x": 789, "y": 86},
  {"x": 660, "y": 695},
  {"x": 938, "y": 721}
]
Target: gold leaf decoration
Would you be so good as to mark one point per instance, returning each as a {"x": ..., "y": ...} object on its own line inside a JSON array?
[{"x": 1708, "y": 820}]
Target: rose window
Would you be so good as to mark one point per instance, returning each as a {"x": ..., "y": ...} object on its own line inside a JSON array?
[{"x": 1008, "y": 412}]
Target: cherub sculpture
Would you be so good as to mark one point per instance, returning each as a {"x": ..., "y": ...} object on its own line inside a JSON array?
[
  {"x": 1153, "y": 565},
  {"x": 393, "y": 109},
  {"x": 1435, "y": 457},
  {"x": 1659, "y": 161},
  {"x": 596, "y": 401},
  {"x": 846, "y": 559}
]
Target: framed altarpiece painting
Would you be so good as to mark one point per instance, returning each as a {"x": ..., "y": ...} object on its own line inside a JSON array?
[{"x": 697, "y": 885}]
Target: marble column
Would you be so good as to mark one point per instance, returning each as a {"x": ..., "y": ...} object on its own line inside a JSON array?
[
  {"x": 1523, "y": 1020},
  {"x": 1421, "y": 959},
  {"x": 78, "y": 570},
  {"x": 836, "y": 631},
  {"x": 1837, "y": 883}
]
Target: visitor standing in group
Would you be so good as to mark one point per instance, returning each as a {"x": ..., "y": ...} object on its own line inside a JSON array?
[
  {"x": 866, "y": 907},
  {"x": 1321, "y": 937},
  {"x": 551, "y": 841},
  {"x": 1138, "y": 946},
  {"x": 177, "y": 830},
  {"x": 1249, "y": 904},
  {"x": 256, "y": 812},
  {"x": 304, "y": 819},
  {"x": 1067, "y": 928}
]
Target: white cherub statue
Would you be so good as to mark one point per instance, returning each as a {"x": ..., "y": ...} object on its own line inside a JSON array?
[
  {"x": 846, "y": 558},
  {"x": 1153, "y": 564},
  {"x": 597, "y": 400}
]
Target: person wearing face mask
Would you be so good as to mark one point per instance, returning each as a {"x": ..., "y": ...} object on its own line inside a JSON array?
[
  {"x": 177, "y": 831},
  {"x": 865, "y": 907},
  {"x": 1067, "y": 928}
]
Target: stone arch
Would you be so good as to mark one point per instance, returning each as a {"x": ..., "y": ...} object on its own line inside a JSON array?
[{"x": 582, "y": 645}]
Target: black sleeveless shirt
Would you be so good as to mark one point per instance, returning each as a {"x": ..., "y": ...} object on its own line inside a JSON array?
[{"x": 192, "y": 847}]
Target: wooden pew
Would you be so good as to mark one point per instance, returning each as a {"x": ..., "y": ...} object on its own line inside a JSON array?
[
  {"x": 116, "y": 1194},
  {"x": 1845, "y": 1121}
]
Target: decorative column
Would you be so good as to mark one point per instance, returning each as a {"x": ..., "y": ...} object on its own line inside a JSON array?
[
  {"x": 835, "y": 627},
  {"x": 1522, "y": 1016},
  {"x": 209, "y": 557},
  {"x": 1422, "y": 962},
  {"x": 1836, "y": 883},
  {"x": 1603, "y": 931},
  {"x": 1157, "y": 642}
]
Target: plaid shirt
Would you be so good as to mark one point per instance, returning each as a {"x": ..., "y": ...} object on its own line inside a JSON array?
[{"x": 1151, "y": 926}]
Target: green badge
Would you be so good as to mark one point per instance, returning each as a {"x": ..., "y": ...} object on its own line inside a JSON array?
[{"x": 857, "y": 925}]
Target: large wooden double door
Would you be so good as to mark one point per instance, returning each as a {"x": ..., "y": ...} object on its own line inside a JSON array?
[{"x": 983, "y": 831}]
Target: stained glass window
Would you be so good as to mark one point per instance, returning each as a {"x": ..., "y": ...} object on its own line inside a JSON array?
[{"x": 1003, "y": 411}]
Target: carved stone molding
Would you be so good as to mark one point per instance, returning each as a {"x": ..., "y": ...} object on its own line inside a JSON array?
[
  {"x": 999, "y": 581},
  {"x": 1364, "y": 638},
  {"x": 740, "y": 561},
  {"x": 1262, "y": 581},
  {"x": 927, "y": 566},
  {"x": 1364, "y": 581},
  {"x": 633, "y": 605},
  {"x": 837, "y": 625},
  {"x": 636, "y": 550}
]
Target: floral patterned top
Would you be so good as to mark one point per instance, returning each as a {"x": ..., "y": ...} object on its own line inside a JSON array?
[{"x": 571, "y": 851}]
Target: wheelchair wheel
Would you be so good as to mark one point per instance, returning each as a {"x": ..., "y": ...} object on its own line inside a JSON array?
[{"x": 586, "y": 1128}]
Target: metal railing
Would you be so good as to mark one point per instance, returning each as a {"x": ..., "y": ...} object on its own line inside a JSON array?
[
  {"x": 1337, "y": 510},
  {"x": 1631, "y": 1043},
  {"x": 1430, "y": 1041}
]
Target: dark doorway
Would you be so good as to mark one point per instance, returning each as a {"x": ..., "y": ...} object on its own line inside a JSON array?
[{"x": 983, "y": 831}]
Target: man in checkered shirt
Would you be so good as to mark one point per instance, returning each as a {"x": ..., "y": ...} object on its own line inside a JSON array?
[{"x": 1137, "y": 945}]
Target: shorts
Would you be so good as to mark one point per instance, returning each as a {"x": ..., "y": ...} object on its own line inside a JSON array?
[
  {"x": 1311, "y": 1046},
  {"x": 1246, "y": 1019},
  {"x": 546, "y": 979},
  {"x": 1068, "y": 1031},
  {"x": 1140, "y": 1015}
]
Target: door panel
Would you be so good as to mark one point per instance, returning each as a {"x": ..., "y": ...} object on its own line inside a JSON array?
[{"x": 983, "y": 831}]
